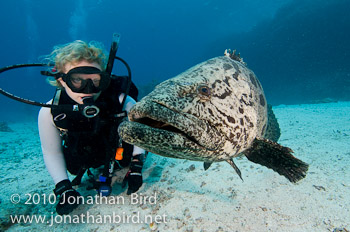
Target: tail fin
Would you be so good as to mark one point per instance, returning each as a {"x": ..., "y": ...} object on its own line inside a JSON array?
[
  {"x": 273, "y": 131},
  {"x": 278, "y": 158}
]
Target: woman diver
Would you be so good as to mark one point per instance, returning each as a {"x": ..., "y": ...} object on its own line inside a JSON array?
[{"x": 76, "y": 140}]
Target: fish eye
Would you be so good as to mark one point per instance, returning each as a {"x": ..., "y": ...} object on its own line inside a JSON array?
[{"x": 204, "y": 90}]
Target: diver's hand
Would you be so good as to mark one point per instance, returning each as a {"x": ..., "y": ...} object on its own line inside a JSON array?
[
  {"x": 68, "y": 197},
  {"x": 133, "y": 177}
]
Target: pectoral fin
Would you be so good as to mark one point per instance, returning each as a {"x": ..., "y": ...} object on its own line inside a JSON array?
[
  {"x": 277, "y": 158},
  {"x": 235, "y": 167},
  {"x": 273, "y": 131},
  {"x": 206, "y": 165}
]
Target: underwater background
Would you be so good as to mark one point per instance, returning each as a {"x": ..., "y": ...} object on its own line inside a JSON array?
[{"x": 299, "y": 49}]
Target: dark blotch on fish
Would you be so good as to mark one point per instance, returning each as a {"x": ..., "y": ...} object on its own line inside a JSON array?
[
  {"x": 235, "y": 76},
  {"x": 252, "y": 79},
  {"x": 241, "y": 121},
  {"x": 231, "y": 119},
  {"x": 262, "y": 100},
  {"x": 227, "y": 66}
]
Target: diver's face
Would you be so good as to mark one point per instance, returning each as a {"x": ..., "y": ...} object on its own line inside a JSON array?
[{"x": 77, "y": 97}]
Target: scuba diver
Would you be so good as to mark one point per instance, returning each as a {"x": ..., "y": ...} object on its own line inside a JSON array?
[{"x": 82, "y": 134}]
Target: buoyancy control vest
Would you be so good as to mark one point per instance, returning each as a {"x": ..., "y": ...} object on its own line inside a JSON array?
[{"x": 89, "y": 142}]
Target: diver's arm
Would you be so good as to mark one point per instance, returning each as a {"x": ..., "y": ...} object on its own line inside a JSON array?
[
  {"x": 129, "y": 102},
  {"x": 51, "y": 146}
]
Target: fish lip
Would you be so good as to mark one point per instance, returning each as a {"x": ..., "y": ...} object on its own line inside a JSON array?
[
  {"x": 142, "y": 119},
  {"x": 150, "y": 116},
  {"x": 163, "y": 143}
]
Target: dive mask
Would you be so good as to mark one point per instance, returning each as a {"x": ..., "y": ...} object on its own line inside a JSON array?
[{"x": 84, "y": 79}]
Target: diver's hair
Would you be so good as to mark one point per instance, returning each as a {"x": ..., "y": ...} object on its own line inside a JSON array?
[{"x": 74, "y": 52}]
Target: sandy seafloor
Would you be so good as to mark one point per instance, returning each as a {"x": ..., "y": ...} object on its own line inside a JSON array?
[{"x": 196, "y": 200}]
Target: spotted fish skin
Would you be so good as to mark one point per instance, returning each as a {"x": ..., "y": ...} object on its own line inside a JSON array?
[{"x": 211, "y": 112}]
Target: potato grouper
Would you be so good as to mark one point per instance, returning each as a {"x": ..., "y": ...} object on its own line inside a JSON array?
[{"x": 214, "y": 111}]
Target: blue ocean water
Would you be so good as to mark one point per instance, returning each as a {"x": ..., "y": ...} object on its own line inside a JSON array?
[{"x": 298, "y": 49}]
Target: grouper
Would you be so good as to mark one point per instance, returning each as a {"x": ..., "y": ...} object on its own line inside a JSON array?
[{"x": 213, "y": 112}]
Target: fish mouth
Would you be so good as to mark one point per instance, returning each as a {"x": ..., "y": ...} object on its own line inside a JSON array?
[
  {"x": 147, "y": 121},
  {"x": 180, "y": 130}
]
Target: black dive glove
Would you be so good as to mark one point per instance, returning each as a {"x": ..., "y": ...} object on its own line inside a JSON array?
[
  {"x": 134, "y": 176},
  {"x": 68, "y": 197}
]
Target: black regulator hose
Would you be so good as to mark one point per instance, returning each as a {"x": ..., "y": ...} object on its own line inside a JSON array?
[
  {"x": 10, "y": 95},
  {"x": 129, "y": 78},
  {"x": 27, "y": 101},
  {"x": 112, "y": 53},
  {"x": 111, "y": 58}
]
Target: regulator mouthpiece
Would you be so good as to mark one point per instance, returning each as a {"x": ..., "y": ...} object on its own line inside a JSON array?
[{"x": 89, "y": 110}]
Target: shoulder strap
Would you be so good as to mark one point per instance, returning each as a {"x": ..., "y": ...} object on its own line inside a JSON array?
[{"x": 57, "y": 96}]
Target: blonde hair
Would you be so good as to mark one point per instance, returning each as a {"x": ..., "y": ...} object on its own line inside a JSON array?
[{"x": 74, "y": 52}]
